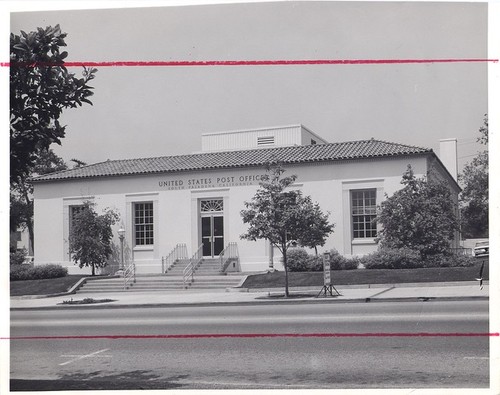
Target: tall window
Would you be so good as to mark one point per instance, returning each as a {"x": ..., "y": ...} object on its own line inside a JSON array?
[
  {"x": 143, "y": 223},
  {"x": 364, "y": 213},
  {"x": 73, "y": 212}
]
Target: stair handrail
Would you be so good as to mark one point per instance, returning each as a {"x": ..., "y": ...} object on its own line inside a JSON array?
[
  {"x": 129, "y": 275},
  {"x": 179, "y": 252},
  {"x": 194, "y": 262},
  {"x": 227, "y": 254}
]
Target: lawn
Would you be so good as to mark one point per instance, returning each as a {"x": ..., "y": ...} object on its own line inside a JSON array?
[
  {"x": 366, "y": 276},
  {"x": 43, "y": 287},
  {"x": 277, "y": 279}
]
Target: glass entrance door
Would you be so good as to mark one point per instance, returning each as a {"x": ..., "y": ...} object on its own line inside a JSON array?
[{"x": 212, "y": 235}]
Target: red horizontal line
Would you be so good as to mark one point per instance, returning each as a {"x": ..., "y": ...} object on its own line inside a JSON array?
[
  {"x": 256, "y": 335},
  {"x": 246, "y": 62}
]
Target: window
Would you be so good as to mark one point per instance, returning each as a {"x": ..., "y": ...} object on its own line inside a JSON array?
[
  {"x": 313, "y": 142},
  {"x": 73, "y": 212},
  {"x": 211, "y": 205},
  {"x": 143, "y": 223},
  {"x": 364, "y": 213}
]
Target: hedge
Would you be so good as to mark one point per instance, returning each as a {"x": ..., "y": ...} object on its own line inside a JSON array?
[
  {"x": 340, "y": 262},
  {"x": 26, "y": 272},
  {"x": 298, "y": 260},
  {"x": 405, "y": 258},
  {"x": 18, "y": 257}
]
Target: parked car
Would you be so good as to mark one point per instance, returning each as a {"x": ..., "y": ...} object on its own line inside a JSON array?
[{"x": 482, "y": 249}]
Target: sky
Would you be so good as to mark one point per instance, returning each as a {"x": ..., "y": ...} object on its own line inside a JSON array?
[{"x": 156, "y": 111}]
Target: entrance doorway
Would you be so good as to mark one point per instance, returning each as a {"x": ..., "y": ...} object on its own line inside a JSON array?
[
  {"x": 212, "y": 227},
  {"x": 212, "y": 235}
]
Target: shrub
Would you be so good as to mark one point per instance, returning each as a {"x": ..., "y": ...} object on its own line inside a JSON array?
[
  {"x": 392, "y": 258},
  {"x": 300, "y": 261},
  {"x": 25, "y": 272},
  {"x": 296, "y": 259},
  {"x": 315, "y": 263},
  {"x": 340, "y": 262},
  {"x": 18, "y": 257},
  {"x": 19, "y": 272},
  {"x": 49, "y": 271},
  {"x": 405, "y": 258},
  {"x": 441, "y": 260}
]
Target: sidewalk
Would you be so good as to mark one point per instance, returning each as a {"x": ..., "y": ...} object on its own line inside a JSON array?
[{"x": 352, "y": 294}]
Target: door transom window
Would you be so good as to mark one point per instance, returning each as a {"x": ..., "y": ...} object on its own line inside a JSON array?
[{"x": 213, "y": 205}]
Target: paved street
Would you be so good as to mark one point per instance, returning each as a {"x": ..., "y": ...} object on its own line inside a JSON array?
[{"x": 351, "y": 345}]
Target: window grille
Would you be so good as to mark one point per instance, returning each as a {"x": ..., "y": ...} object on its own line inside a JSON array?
[
  {"x": 143, "y": 223},
  {"x": 364, "y": 213},
  {"x": 207, "y": 206}
]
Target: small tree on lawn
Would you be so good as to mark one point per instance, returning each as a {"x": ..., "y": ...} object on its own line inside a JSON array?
[
  {"x": 284, "y": 217},
  {"x": 421, "y": 216},
  {"x": 90, "y": 237}
]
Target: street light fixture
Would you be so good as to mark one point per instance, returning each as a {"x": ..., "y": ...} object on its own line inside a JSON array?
[{"x": 121, "y": 235}]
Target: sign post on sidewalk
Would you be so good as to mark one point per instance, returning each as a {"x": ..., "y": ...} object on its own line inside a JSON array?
[{"x": 327, "y": 280}]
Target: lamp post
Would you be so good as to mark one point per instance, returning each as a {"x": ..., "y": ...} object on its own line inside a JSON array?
[
  {"x": 271, "y": 257},
  {"x": 121, "y": 235}
]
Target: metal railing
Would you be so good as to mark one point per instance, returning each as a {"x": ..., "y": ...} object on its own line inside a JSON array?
[
  {"x": 129, "y": 275},
  {"x": 195, "y": 260},
  {"x": 227, "y": 255},
  {"x": 179, "y": 252}
]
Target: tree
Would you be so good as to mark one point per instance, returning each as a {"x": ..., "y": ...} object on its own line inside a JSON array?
[
  {"x": 474, "y": 197},
  {"x": 90, "y": 237},
  {"x": 421, "y": 217},
  {"x": 21, "y": 192},
  {"x": 40, "y": 89},
  {"x": 284, "y": 217}
]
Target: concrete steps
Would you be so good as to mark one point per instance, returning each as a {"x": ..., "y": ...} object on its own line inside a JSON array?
[
  {"x": 178, "y": 267},
  {"x": 160, "y": 283},
  {"x": 207, "y": 267}
]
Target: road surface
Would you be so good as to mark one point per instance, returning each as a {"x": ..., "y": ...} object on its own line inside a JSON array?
[{"x": 328, "y": 345}]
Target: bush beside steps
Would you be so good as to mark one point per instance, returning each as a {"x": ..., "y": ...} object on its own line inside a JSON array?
[{"x": 27, "y": 272}]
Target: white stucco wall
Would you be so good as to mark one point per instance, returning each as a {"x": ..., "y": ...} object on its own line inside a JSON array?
[{"x": 176, "y": 210}]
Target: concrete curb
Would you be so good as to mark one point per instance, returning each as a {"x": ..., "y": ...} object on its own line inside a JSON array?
[
  {"x": 238, "y": 288},
  {"x": 360, "y": 286}
]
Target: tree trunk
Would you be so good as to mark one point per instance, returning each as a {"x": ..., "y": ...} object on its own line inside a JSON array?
[
  {"x": 29, "y": 221},
  {"x": 93, "y": 270},
  {"x": 287, "y": 293}
]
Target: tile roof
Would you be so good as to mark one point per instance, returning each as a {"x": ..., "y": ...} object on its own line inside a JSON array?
[{"x": 361, "y": 149}]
